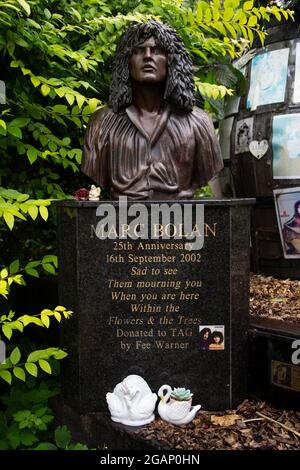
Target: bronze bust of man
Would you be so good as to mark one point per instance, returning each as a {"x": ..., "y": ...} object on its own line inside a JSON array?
[{"x": 151, "y": 142}]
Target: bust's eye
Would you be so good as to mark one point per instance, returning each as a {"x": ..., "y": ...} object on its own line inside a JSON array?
[
  {"x": 137, "y": 50},
  {"x": 157, "y": 50}
]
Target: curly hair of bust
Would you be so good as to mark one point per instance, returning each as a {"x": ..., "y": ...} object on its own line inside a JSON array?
[{"x": 179, "y": 89}]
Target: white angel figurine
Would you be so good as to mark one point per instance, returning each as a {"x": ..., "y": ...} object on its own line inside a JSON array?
[{"x": 94, "y": 193}]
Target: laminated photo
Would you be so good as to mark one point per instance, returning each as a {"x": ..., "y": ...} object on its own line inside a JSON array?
[
  {"x": 243, "y": 135},
  {"x": 225, "y": 134},
  {"x": 286, "y": 146},
  {"x": 296, "y": 94},
  {"x": 212, "y": 337},
  {"x": 287, "y": 204},
  {"x": 268, "y": 78}
]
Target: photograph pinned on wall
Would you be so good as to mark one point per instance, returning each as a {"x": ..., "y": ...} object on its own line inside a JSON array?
[
  {"x": 225, "y": 129},
  {"x": 286, "y": 146},
  {"x": 243, "y": 135},
  {"x": 268, "y": 78},
  {"x": 296, "y": 94},
  {"x": 285, "y": 375},
  {"x": 281, "y": 374},
  {"x": 212, "y": 337},
  {"x": 287, "y": 204},
  {"x": 232, "y": 103}
]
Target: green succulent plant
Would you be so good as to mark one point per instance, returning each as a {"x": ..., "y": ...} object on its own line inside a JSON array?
[{"x": 181, "y": 394}]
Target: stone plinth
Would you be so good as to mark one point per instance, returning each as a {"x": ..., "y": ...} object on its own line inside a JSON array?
[{"x": 140, "y": 306}]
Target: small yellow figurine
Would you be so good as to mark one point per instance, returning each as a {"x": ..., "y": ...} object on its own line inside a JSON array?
[{"x": 94, "y": 193}]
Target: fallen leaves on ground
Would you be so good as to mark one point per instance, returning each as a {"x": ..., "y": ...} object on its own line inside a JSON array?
[
  {"x": 249, "y": 430},
  {"x": 274, "y": 298},
  {"x": 227, "y": 420}
]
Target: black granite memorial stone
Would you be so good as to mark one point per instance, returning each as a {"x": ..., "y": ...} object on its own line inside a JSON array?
[
  {"x": 274, "y": 362},
  {"x": 141, "y": 305}
]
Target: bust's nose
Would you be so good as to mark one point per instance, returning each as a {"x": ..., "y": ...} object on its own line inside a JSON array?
[{"x": 147, "y": 53}]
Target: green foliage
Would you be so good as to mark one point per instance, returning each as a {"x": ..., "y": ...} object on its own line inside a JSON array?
[
  {"x": 203, "y": 192},
  {"x": 56, "y": 57},
  {"x": 17, "y": 365},
  {"x": 27, "y": 422}
]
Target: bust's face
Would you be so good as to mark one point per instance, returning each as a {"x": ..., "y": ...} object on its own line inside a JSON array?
[{"x": 148, "y": 62}]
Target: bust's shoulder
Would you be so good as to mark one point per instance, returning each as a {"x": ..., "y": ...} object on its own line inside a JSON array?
[
  {"x": 101, "y": 114},
  {"x": 200, "y": 114}
]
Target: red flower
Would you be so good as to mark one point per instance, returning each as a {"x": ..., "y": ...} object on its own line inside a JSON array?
[{"x": 82, "y": 194}]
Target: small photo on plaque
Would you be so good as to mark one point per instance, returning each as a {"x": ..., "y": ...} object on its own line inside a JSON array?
[
  {"x": 243, "y": 135},
  {"x": 281, "y": 374},
  {"x": 285, "y": 375},
  {"x": 287, "y": 204},
  {"x": 212, "y": 337}
]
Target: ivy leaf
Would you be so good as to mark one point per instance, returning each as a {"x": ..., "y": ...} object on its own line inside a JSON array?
[
  {"x": 62, "y": 437},
  {"x": 15, "y": 356},
  {"x": 31, "y": 368},
  {"x": 248, "y": 5},
  {"x": 35, "y": 81},
  {"x": 19, "y": 373},
  {"x": 45, "y": 446},
  {"x": 70, "y": 98},
  {"x": 80, "y": 100},
  {"x": 49, "y": 268},
  {"x": 50, "y": 259},
  {"x": 24, "y": 5},
  {"x": 44, "y": 212},
  {"x": 15, "y": 131},
  {"x": 6, "y": 375},
  {"x": 32, "y": 272},
  {"x": 32, "y": 264},
  {"x": 45, "y": 89},
  {"x": 19, "y": 122},
  {"x": 7, "y": 331},
  {"x": 27, "y": 437},
  {"x": 32, "y": 154},
  {"x": 45, "y": 320},
  {"x": 3, "y": 273},
  {"x": 47, "y": 13},
  {"x": 14, "y": 266},
  {"x": 60, "y": 354},
  {"x": 44, "y": 365},
  {"x": 60, "y": 308},
  {"x": 252, "y": 21},
  {"x": 9, "y": 219},
  {"x": 33, "y": 212},
  {"x": 57, "y": 316}
]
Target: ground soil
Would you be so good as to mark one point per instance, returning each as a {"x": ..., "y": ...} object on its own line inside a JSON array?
[
  {"x": 254, "y": 424},
  {"x": 274, "y": 299}
]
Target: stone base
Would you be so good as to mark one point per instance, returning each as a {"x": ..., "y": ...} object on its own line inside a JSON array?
[
  {"x": 124, "y": 325},
  {"x": 97, "y": 430},
  {"x": 274, "y": 374}
]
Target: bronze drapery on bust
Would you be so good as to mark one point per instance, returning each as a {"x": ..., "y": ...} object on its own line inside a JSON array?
[{"x": 151, "y": 142}]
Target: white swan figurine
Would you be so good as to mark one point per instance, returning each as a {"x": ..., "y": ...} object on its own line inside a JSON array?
[
  {"x": 176, "y": 412},
  {"x": 132, "y": 403}
]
